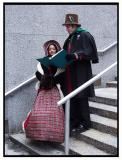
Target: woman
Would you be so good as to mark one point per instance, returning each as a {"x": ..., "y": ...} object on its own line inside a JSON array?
[{"x": 46, "y": 120}]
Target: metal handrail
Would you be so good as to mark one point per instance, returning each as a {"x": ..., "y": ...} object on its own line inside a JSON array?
[
  {"x": 67, "y": 98},
  {"x": 107, "y": 48},
  {"x": 89, "y": 82},
  {"x": 32, "y": 78},
  {"x": 20, "y": 85}
]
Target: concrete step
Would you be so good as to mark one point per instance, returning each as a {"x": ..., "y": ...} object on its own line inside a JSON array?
[
  {"x": 103, "y": 141},
  {"x": 103, "y": 124},
  {"x": 105, "y": 96},
  {"x": 104, "y": 110},
  {"x": 35, "y": 147},
  {"x": 84, "y": 148},
  {"x": 77, "y": 147},
  {"x": 111, "y": 84},
  {"x": 80, "y": 147},
  {"x": 12, "y": 149}
]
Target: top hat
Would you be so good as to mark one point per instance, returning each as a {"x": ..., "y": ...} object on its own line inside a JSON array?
[{"x": 71, "y": 19}]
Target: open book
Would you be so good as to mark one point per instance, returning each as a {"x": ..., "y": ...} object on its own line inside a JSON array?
[{"x": 58, "y": 60}]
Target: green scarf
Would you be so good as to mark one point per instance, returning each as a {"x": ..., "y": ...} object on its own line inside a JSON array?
[{"x": 79, "y": 29}]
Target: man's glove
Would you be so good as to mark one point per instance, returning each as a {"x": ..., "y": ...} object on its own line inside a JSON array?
[{"x": 71, "y": 57}]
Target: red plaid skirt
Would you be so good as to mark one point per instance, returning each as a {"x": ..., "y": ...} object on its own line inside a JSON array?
[{"x": 46, "y": 120}]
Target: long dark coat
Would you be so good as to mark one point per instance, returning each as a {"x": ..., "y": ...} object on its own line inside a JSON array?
[{"x": 78, "y": 72}]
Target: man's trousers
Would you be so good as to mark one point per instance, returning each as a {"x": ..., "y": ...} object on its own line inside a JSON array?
[{"x": 79, "y": 113}]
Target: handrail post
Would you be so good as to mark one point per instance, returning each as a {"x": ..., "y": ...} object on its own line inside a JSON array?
[{"x": 67, "y": 126}]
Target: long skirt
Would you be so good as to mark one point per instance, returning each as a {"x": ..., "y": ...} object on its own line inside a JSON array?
[{"x": 45, "y": 122}]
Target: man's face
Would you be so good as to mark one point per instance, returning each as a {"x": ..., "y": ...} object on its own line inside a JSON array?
[{"x": 70, "y": 28}]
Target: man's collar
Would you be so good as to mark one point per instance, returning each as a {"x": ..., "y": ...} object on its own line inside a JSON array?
[{"x": 78, "y": 29}]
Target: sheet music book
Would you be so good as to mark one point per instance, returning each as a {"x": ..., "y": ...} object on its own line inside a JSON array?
[{"x": 59, "y": 60}]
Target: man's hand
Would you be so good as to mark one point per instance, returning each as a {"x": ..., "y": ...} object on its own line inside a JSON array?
[{"x": 71, "y": 57}]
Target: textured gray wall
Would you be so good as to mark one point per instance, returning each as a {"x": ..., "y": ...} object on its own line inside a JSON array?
[
  {"x": 27, "y": 27},
  {"x": 18, "y": 105}
]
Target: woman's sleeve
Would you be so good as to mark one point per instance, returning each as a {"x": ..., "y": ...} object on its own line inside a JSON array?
[
  {"x": 58, "y": 79},
  {"x": 38, "y": 75}
]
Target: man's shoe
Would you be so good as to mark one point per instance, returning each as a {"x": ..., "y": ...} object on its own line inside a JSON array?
[
  {"x": 72, "y": 131},
  {"x": 81, "y": 129}
]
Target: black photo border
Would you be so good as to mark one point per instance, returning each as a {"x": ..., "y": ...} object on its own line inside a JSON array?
[{"x": 60, "y": 3}]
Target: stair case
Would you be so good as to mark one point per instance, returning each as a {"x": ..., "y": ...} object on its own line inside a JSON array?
[{"x": 100, "y": 140}]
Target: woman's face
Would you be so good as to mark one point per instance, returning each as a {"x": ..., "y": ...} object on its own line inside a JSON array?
[{"x": 51, "y": 50}]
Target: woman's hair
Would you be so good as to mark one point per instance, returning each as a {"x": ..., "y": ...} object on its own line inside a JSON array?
[{"x": 51, "y": 42}]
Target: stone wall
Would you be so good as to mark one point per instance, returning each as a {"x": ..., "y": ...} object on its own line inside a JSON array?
[{"x": 27, "y": 27}]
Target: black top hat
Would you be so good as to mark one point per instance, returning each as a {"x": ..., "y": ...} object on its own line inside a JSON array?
[{"x": 71, "y": 19}]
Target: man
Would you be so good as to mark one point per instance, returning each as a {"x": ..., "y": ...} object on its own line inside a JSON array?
[{"x": 81, "y": 48}]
